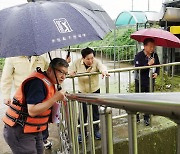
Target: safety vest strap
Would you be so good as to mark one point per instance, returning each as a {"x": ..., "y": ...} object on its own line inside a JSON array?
[
  {"x": 22, "y": 122},
  {"x": 26, "y": 114},
  {"x": 16, "y": 102},
  {"x": 19, "y": 112},
  {"x": 16, "y": 120}
]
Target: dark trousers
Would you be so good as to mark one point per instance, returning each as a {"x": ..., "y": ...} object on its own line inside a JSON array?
[
  {"x": 45, "y": 134},
  {"x": 95, "y": 114},
  {"x": 23, "y": 143},
  {"x": 144, "y": 89}
]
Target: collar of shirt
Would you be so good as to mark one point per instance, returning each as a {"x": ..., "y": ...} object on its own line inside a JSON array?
[
  {"x": 144, "y": 54},
  {"x": 89, "y": 67}
]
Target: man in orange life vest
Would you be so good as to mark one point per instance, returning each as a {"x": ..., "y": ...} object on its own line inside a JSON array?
[{"x": 28, "y": 114}]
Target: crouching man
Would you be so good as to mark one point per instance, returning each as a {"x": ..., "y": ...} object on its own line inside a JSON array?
[{"x": 28, "y": 114}]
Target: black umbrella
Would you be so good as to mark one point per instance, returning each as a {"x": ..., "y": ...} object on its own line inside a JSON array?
[
  {"x": 93, "y": 7},
  {"x": 38, "y": 27}
]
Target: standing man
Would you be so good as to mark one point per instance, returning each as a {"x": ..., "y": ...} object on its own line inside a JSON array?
[
  {"x": 88, "y": 63},
  {"x": 28, "y": 114},
  {"x": 146, "y": 57},
  {"x": 15, "y": 70}
]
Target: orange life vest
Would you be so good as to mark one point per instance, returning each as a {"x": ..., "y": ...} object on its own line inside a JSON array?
[{"x": 17, "y": 111}]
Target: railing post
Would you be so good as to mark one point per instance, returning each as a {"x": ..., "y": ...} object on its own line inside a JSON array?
[
  {"x": 172, "y": 73},
  {"x": 129, "y": 81},
  {"x": 139, "y": 77},
  {"x": 119, "y": 86},
  {"x": 126, "y": 52},
  {"x": 91, "y": 128},
  {"x": 150, "y": 80},
  {"x": 178, "y": 138},
  {"x": 82, "y": 128},
  {"x": 107, "y": 84},
  {"x": 132, "y": 133},
  {"x": 73, "y": 83},
  {"x": 119, "y": 82},
  {"x": 90, "y": 122},
  {"x": 118, "y": 60},
  {"x": 106, "y": 130},
  {"x": 68, "y": 124},
  {"x": 162, "y": 79},
  {"x": 114, "y": 48},
  {"x": 73, "y": 117},
  {"x": 63, "y": 131},
  {"x": 72, "y": 128},
  {"x": 75, "y": 121}
]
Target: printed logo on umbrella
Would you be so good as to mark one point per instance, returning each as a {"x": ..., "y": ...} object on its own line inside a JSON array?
[{"x": 62, "y": 25}]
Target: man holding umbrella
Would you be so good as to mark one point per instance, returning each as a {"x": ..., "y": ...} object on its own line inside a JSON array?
[
  {"x": 29, "y": 35},
  {"x": 146, "y": 57},
  {"x": 151, "y": 37},
  {"x": 28, "y": 114}
]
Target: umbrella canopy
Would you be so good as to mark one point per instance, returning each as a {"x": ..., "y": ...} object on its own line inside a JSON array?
[
  {"x": 93, "y": 7},
  {"x": 38, "y": 27},
  {"x": 161, "y": 37}
]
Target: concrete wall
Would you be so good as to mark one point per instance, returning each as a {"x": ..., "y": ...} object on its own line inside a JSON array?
[{"x": 160, "y": 138}]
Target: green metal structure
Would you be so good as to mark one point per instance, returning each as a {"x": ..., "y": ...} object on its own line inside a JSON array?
[{"x": 126, "y": 18}]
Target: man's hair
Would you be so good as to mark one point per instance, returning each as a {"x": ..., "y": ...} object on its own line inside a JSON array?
[
  {"x": 58, "y": 62},
  {"x": 87, "y": 51},
  {"x": 147, "y": 40}
]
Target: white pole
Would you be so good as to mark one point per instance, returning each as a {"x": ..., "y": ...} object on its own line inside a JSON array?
[
  {"x": 148, "y": 5},
  {"x": 132, "y": 5}
]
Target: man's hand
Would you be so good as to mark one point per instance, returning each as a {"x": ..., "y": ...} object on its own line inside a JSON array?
[
  {"x": 36, "y": 109},
  {"x": 7, "y": 101},
  {"x": 68, "y": 59},
  {"x": 154, "y": 76},
  {"x": 72, "y": 73},
  {"x": 60, "y": 96},
  {"x": 105, "y": 74},
  {"x": 151, "y": 62}
]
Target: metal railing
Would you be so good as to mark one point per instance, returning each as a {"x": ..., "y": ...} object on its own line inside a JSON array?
[
  {"x": 106, "y": 117},
  {"x": 129, "y": 76},
  {"x": 110, "y": 54},
  {"x": 164, "y": 104}
]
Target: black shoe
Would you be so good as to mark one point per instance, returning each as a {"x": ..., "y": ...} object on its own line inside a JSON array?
[
  {"x": 97, "y": 135},
  {"x": 137, "y": 118},
  {"x": 80, "y": 138},
  {"x": 146, "y": 122},
  {"x": 138, "y": 121},
  {"x": 47, "y": 144}
]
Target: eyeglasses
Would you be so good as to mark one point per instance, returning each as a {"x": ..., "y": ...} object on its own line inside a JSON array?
[{"x": 61, "y": 72}]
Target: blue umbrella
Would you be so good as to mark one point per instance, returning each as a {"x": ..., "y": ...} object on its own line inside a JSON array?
[
  {"x": 93, "y": 7},
  {"x": 38, "y": 27}
]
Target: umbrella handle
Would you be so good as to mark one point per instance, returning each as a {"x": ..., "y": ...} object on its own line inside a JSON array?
[
  {"x": 68, "y": 54},
  {"x": 59, "y": 87}
]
